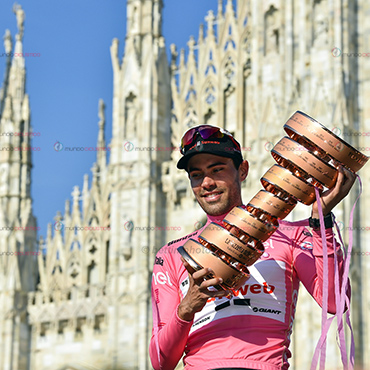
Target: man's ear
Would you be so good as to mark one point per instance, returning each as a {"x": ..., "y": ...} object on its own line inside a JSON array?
[{"x": 243, "y": 170}]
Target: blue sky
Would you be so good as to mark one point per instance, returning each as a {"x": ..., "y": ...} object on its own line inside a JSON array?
[{"x": 69, "y": 77}]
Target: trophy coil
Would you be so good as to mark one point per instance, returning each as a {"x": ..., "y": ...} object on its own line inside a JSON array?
[{"x": 306, "y": 159}]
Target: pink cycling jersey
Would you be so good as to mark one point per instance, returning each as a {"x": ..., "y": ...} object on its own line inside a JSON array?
[{"x": 251, "y": 329}]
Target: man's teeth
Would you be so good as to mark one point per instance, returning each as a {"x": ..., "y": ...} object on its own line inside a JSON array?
[{"x": 212, "y": 195}]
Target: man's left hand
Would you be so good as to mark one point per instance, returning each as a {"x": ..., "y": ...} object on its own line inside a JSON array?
[{"x": 331, "y": 197}]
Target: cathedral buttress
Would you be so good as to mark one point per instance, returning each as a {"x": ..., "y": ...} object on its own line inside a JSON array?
[
  {"x": 18, "y": 265},
  {"x": 140, "y": 144}
]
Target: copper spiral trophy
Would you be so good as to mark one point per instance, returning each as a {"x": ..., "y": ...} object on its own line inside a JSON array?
[{"x": 307, "y": 158}]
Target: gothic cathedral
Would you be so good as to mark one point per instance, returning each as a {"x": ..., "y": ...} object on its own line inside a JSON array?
[{"x": 84, "y": 302}]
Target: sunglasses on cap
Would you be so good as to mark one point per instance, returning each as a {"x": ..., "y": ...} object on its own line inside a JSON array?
[{"x": 206, "y": 132}]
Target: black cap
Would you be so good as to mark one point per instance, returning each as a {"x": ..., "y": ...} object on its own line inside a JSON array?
[{"x": 224, "y": 147}]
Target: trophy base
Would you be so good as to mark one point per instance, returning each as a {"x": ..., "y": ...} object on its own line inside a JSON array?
[{"x": 193, "y": 264}]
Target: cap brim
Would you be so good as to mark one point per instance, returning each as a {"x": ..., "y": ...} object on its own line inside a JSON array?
[{"x": 182, "y": 164}]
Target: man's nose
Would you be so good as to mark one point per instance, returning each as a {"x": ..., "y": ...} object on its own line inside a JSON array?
[{"x": 208, "y": 182}]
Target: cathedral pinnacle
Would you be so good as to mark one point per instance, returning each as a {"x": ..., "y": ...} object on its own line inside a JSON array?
[
  {"x": 8, "y": 42},
  {"x": 191, "y": 43},
  {"x": 174, "y": 55},
  {"x": 149, "y": 11},
  {"x": 19, "y": 13},
  {"x": 219, "y": 10},
  {"x": 76, "y": 198},
  {"x": 101, "y": 154},
  {"x": 59, "y": 217},
  {"x": 210, "y": 18},
  {"x": 201, "y": 33}
]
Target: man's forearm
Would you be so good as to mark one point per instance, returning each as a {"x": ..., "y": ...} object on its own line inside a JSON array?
[{"x": 171, "y": 339}]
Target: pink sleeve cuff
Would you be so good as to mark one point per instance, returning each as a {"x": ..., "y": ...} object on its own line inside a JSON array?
[
  {"x": 180, "y": 321},
  {"x": 317, "y": 242}
]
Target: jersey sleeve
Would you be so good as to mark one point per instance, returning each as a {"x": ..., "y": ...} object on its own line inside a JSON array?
[
  {"x": 309, "y": 266},
  {"x": 170, "y": 333}
]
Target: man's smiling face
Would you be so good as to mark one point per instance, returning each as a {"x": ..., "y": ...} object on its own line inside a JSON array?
[{"x": 216, "y": 182}]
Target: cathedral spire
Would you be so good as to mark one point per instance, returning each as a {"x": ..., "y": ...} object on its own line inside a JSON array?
[
  {"x": 210, "y": 19},
  {"x": 8, "y": 42},
  {"x": 19, "y": 13},
  {"x": 8, "y": 47},
  {"x": 17, "y": 80},
  {"x": 14, "y": 86},
  {"x": 101, "y": 154},
  {"x": 16, "y": 203},
  {"x": 219, "y": 9},
  {"x": 144, "y": 17},
  {"x": 15, "y": 117},
  {"x": 144, "y": 27}
]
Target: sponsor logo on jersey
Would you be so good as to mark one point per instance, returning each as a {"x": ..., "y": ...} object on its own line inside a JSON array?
[
  {"x": 264, "y": 296},
  {"x": 183, "y": 238},
  {"x": 156, "y": 293},
  {"x": 158, "y": 261},
  {"x": 263, "y": 288},
  {"x": 268, "y": 244},
  {"x": 306, "y": 232},
  {"x": 201, "y": 321},
  {"x": 267, "y": 310},
  {"x": 161, "y": 278},
  {"x": 306, "y": 246},
  {"x": 256, "y": 289},
  {"x": 185, "y": 282}
]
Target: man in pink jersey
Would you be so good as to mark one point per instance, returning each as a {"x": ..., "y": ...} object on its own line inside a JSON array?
[{"x": 249, "y": 328}]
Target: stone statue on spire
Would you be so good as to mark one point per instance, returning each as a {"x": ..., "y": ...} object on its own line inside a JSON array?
[
  {"x": 101, "y": 113},
  {"x": 8, "y": 44},
  {"x": 19, "y": 13}
]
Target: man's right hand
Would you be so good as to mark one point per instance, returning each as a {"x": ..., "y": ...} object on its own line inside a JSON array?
[{"x": 198, "y": 292}]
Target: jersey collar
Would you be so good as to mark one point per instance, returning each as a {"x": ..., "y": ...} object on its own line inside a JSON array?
[{"x": 218, "y": 219}]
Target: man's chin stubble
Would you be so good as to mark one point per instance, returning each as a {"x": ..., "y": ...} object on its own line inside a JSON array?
[{"x": 214, "y": 210}]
